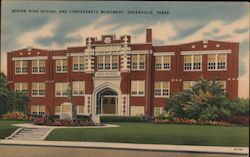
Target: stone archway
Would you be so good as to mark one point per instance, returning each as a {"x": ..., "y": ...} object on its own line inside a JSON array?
[
  {"x": 113, "y": 95},
  {"x": 107, "y": 101}
]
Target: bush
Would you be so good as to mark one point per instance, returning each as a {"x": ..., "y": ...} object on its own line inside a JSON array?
[
  {"x": 106, "y": 119},
  {"x": 238, "y": 120},
  {"x": 16, "y": 116},
  {"x": 82, "y": 117}
]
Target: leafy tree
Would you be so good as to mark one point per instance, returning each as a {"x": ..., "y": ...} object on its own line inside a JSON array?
[
  {"x": 206, "y": 100},
  {"x": 10, "y": 100}
]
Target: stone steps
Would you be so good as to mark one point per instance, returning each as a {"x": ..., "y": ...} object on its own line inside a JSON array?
[{"x": 31, "y": 134}]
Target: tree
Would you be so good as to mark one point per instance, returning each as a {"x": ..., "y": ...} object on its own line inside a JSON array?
[
  {"x": 206, "y": 100},
  {"x": 10, "y": 100}
]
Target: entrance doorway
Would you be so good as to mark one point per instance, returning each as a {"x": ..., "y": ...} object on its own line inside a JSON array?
[{"x": 107, "y": 101}]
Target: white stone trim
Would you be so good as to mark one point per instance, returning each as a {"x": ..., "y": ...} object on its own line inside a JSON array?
[
  {"x": 30, "y": 58},
  {"x": 134, "y": 52},
  {"x": 77, "y": 54},
  {"x": 59, "y": 57},
  {"x": 164, "y": 53},
  {"x": 205, "y": 52}
]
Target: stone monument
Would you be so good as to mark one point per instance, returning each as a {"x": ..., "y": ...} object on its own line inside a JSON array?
[{"x": 68, "y": 110}]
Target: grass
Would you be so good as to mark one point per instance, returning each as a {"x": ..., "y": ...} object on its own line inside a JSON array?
[
  {"x": 148, "y": 133},
  {"x": 6, "y": 128}
]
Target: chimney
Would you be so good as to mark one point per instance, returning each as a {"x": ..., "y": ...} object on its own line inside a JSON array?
[{"x": 149, "y": 35}]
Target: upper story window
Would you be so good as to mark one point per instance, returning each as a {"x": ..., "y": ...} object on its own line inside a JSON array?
[
  {"x": 38, "y": 89},
  {"x": 21, "y": 67},
  {"x": 78, "y": 63},
  {"x": 162, "y": 62},
  {"x": 192, "y": 62},
  {"x": 21, "y": 87},
  {"x": 61, "y": 65},
  {"x": 38, "y": 109},
  {"x": 187, "y": 85},
  {"x": 38, "y": 66},
  {"x": 162, "y": 89},
  {"x": 217, "y": 62},
  {"x": 61, "y": 89},
  {"x": 78, "y": 88},
  {"x": 138, "y": 62},
  {"x": 137, "y": 88},
  {"x": 107, "y": 62}
]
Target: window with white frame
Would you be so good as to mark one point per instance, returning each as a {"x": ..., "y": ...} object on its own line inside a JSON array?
[
  {"x": 80, "y": 109},
  {"x": 107, "y": 62},
  {"x": 78, "y": 88},
  {"x": 57, "y": 109},
  {"x": 37, "y": 109},
  {"x": 158, "y": 110},
  {"x": 38, "y": 66},
  {"x": 61, "y": 65},
  {"x": 137, "y": 88},
  {"x": 162, "y": 89},
  {"x": 61, "y": 89},
  {"x": 21, "y": 67},
  {"x": 138, "y": 62},
  {"x": 192, "y": 62},
  {"x": 78, "y": 63},
  {"x": 38, "y": 89},
  {"x": 187, "y": 85},
  {"x": 217, "y": 61},
  {"x": 21, "y": 87},
  {"x": 162, "y": 62}
]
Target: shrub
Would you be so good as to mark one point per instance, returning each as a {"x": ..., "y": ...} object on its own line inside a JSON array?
[
  {"x": 238, "y": 120},
  {"x": 126, "y": 119},
  {"x": 16, "y": 116}
]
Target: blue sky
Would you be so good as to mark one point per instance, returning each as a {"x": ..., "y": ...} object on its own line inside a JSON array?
[{"x": 186, "y": 22}]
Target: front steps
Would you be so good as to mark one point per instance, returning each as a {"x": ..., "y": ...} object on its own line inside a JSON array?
[{"x": 35, "y": 134}]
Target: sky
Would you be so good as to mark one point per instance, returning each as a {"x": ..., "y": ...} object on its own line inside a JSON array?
[{"x": 184, "y": 22}]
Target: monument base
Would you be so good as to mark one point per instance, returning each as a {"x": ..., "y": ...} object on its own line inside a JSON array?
[{"x": 68, "y": 111}]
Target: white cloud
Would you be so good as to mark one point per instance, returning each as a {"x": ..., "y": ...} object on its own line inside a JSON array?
[{"x": 27, "y": 39}]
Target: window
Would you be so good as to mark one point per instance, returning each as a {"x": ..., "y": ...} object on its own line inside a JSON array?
[
  {"x": 80, "y": 109},
  {"x": 78, "y": 63},
  {"x": 137, "y": 88},
  {"x": 38, "y": 89},
  {"x": 107, "y": 62},
  {"x": 162, "y": 89},
  {"x": 137, "y": 110},
  {"x": 37, "y": 109},
  {"x": 162, "y": 62},
  {"x": 61, "y": 89},
  {"x": 192, "y": 62},
  {"x": 187, "y": 85},
  {"x": 21, "y": 87},
  {"x": 78, "y": 88},
  {"x": 61, "y": 65},
  {"x": 138, "y": 62},
  {"x": 21, "y": 67},
  {"x": 57, "y": 110},
  {"x": 158, "y": 110},
  {"x": 222, "y": 83},
  {"x": 38, "y": 66},
  {"x": 217, "y": 62}
]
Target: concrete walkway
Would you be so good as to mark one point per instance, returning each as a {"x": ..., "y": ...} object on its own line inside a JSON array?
[
  {"x": 129, "y": 146},
  {"x": 28, "y": 131}
]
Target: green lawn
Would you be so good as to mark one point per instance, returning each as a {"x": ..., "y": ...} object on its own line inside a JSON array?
[
  {"x": 157, "y": 134},
  {"x": 6, "y": 127}
]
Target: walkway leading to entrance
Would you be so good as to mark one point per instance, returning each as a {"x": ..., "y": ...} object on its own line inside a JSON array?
[{"x": 34, "y": 134}]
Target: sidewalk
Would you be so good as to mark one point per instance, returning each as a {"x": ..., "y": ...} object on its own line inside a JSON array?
[{"x": 129, "y": 146}]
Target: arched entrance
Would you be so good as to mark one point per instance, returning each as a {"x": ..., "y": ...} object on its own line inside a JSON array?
[{"x": 106, "y": 101}]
